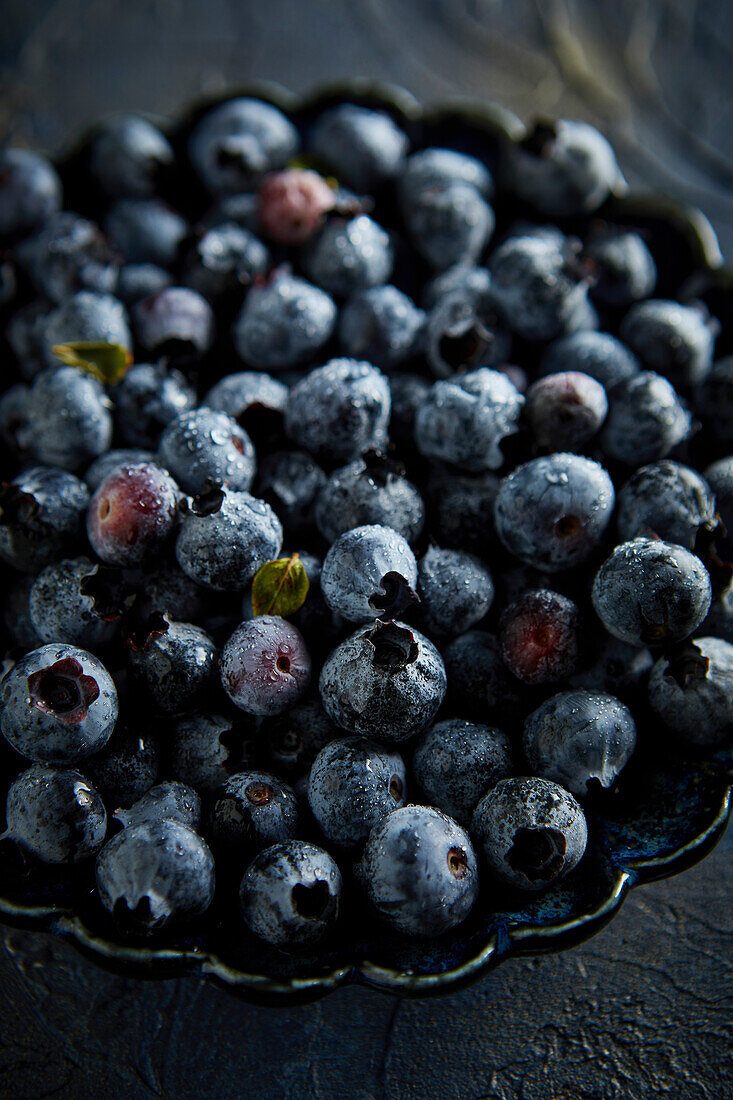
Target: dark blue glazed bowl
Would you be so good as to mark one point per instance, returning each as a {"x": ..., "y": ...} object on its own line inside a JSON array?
[{"x": 669, "y": 810}]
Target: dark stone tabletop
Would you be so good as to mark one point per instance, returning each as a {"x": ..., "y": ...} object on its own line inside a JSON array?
[{"x": 644, "y": 1008}]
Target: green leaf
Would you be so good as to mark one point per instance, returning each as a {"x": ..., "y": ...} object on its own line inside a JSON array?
[
  {"x": 107, "y": 362},
  {"x": 280, "y": 587}
]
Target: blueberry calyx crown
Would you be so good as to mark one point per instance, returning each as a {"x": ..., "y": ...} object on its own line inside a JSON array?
[
  {"x": 310, "y": 900},
  {"x": 16, "y": 505},
  {"x": 540, "y": 138},
  {"x": 138, "y": 635},
  {"x": 380, "y": 467},
  {"x": 394, "y": 646},
  {"x": 63, "y": 690},
  {"x": 208, "y": 501},
  {"x": 706, "y": 548},
  {"x": 394, "y": 597},
  {"x": 104, "y": 585},
  {"x": 537, "y": 852},
  {"x": 464, "y": 348},
  {"x": 687, "y": 667}
]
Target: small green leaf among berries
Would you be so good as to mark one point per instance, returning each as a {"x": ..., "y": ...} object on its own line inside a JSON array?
[
  {"x": 280, "y": 587},
  {"x": 107, "y": 362}
]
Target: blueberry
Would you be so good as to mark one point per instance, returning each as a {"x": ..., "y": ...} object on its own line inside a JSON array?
[
  {"x": 539, "y": 286},
  {"x": 349, "y": 255},
  {"x": 30, "y": 192},
  {"x": 265, "y": 666},
  {"x": 17, "y": 615},
  {"x": 566, "y": 410},
  {"x": 419, "y": 871},
  {"x": 449, "y": 224},
  {"x": 283, "y": 321},
  {"x": 531, "y": 832},
  {"x": 68, "y": 254},
  {"x": 128, "y": 156},
  {"x": 407, "y": 392},
  {"x": 174, "y": 662},
  {"x": 293, "y": 204},
  {"x": 692, "y": 691},
  {"x": 464, "y": 420},
  {"x": 292, "y": 740},
  {"x": 468, "y": 282},
  {"x": 478, "y": 679},
  {"x": 176, "y": 322},
  {"x": 114, "y": 460},
  {"x": 204, "y": 749},
  {"x": 719, "y": 477},
  {"x": 597, "y": 354},
  {"x": 539, "y": 637},
  {"x": 386, "y": 681},
  {"x": 146, "y": 400},
  {"x": 353, "y": 784},
  {"x": 290, "y": 481},
  {"x": 580, "y": 739},
  {"x": 381, "y": 325},
  {"x": 127, "y": 766},
  {"x": 456, "y": 762},
  {"x": 290, "y": 894},
  {"x": 202, "y": 444},
  {"x": 69, "y": 422},
  {"x": 436, "y": 168},
  {"x": 371, "y": 491},
  {"x": 86, "y": 317},
  {"x": 152, "y": 876},
  {"x": 55, "y": 814},
  {"x": 714, "y": 404},
  {"x": 63, "y": 608},
  {"x": 25, "y": 333},
  {"x": 455, "y": 590},
  {"x": 168, "y": 801},
  {"x": 563, "y": 168},
  {"x": 224, "y": 259},
  {"x": 15, "y": 414},
  {"x": 239, "y": 140},
  {"x": 170, "y": 591},
  {"x": 41, "y": 517},
  {"x": 668, "y": 500},
  {"x": 251, "y": 811},
  {"x": 674, "y": 340},
  {"x": 256, "y": 401},
  {"x": 138, "y": 281},
  {"x": 651, "y": 592},
  {"x": 145, "y": 231},
  {"x": 616, "y": 667},
  {"x": 462, "y": 508},
  {"x": 225, "y": 537},
  {"x": 623, "y": 267},
  {"x": 133, "y": 514},
  {"x": 59, "y": 705},
  {"x": 361, "y": 146},
  {"x": 369, "y": 571},
  {"x": 553, "y": 512},
  {"x": 464, "y": 333},
  {"x": 340, "y": 410},
  {"x": 646, "y": 420}
]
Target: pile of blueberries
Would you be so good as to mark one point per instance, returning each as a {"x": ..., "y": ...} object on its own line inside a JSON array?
[{"x": 454, "y": 394}]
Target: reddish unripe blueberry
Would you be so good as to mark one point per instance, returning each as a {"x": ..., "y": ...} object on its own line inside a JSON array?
[
  {"x": 265, "y": 666},
  {"x": 133, "y": 513},
  {"x": 565, "y": 410},
  {"x": 292, "y": 204},
  {"x": 539, "y": 636}
]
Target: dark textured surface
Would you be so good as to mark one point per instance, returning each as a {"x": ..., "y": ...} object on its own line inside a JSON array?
[{"x": 642, "y": 1010}]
